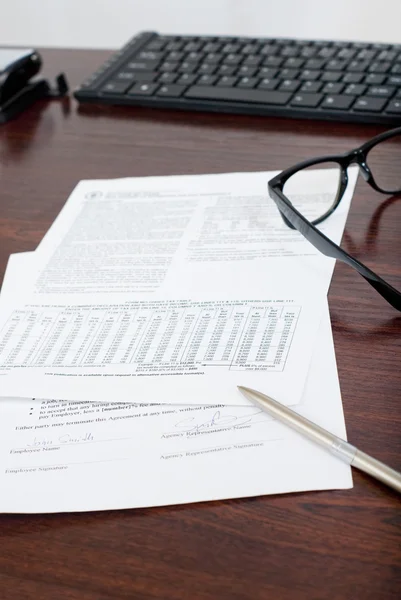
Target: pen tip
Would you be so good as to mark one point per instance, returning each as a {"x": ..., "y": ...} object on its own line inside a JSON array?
[{"x": 244, "y": 389}]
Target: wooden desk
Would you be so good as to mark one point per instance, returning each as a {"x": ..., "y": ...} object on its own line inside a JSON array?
[{"x": 312, "y": 546}]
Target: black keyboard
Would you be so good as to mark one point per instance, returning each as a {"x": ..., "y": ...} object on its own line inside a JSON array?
[{"x": 336, "y": 81}]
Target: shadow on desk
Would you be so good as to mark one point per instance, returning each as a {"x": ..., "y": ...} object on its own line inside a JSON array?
[{"x": 224, "y": 121}]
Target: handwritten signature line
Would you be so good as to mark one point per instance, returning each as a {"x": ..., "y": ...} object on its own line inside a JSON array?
[{"x": 57, "y": 444}]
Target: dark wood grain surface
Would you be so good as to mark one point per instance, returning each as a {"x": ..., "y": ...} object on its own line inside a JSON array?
[{"x": 312, "y": 546}]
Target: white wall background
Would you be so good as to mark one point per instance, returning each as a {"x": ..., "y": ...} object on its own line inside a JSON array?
[{"x": 110, "y": 23}]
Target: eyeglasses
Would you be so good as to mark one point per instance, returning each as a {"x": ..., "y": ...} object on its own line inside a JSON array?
[{"x": 372, "y": 159}]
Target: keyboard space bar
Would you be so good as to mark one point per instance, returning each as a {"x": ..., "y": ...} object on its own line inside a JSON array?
[{"x": 204, "y": 92}]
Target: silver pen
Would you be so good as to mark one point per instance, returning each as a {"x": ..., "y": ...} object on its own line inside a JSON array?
[{"x": 347, "y": 452}]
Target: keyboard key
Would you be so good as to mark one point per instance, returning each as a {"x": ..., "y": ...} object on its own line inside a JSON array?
[
  {"x": 267, "y": 72},
  {"x": 289, "y": 85},
  {"x": 169, "y": 39},
  {"x": 269, "y": 50},
  {"x": 116, "y": 87},
  {"x": 226, "y": 70},
  {"x": 168, "y": 77},
  {"x": 366, "y": 54},
  {"x": 192, "y": 47},
  {"x": 273, "y": 61},
  {"x": 394, "y": 107},
  {"x": 321, "y": 43},
  {"x": 374, "y": 79},
  {"x": 214, "y": 58},
  {"x": 396, "y": 69},
  {"x": 171, "y": 91},
  {"x": 387, "y": 55},
  {"x": 352, "y": 78},
  {"x": 174, "y": 56},
  {"x": 336, "y": 64},
  {"x": 247, "y": 82},
  {"x": 206, "y": 79},
  {"x": 288, "y": 73},
  {"x": 194, "y": 57},
  {"x": 232, "y": 59},
  {"x": 337, "y": 102},
  {"x": 332, "y": 88},
  {"x": 253, "y": 61},
  {"x": 141, "y": 76},
  {"x": 212, "y": 47},
  {"x": 384, "y": 91},
  {"x": 314, "y": 63},
  {"x": 173, "y": 46},
  {"x": 309, "y": 52},
  {"x": 237, "y": 95},
  {"x": 187, "y": 67},
  {"x": 155, "y": 45},
  {"x": 186, "y": 79},
  {"x": 346, "y": 53},
  {"x": 289, "y": 51},
  {"x": 295, "y": 63},
  {"x": 361, "y": 45},
  {"x": 227, "y": 81},
  {"x": 143, "y": 65},
  {"x": 268, "y": 84},
  {"x": 246, "y": 71},
  {"x": 380, "y": 46},
  {"x": 150, "y": 55},
  {"x": 326, "y": 52},
  {"x": 226, "y": 39},
  {"x": 355, "y": 89},
  {"x": 169, "y": 67},
  {"x": 332, "y": 76},
  {"x": 250, "y": 49},
  {"x": 143, "y": 89},
  {"x": 303, "y": 43},
  {"x": 125, "y": 75},
  {"x": 207, "y": 69},
  {"x": 306, "y": 100},
  {"x": 231, "y": 48},
  {"x": 311, "y": 86},
  {"x": 379, "y": 67},
  {"x": 369, "y": 104},
  {"x": 309, "y": 75},
  {"x": 394, "y": 80},
  {"x": 358, "y": 66}
]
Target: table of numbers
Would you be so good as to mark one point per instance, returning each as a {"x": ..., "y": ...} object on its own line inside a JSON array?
[{"x": 152, "y": 336}]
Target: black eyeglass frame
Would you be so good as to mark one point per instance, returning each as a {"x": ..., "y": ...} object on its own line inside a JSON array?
[{"x": 295, "y": 220}]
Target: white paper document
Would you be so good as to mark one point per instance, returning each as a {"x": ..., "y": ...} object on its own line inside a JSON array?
[
  {"x": 59, "y": 456},
  {"x": 169, "y": 290}
]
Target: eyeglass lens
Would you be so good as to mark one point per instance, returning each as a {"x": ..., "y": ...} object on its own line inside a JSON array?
[
  {"x": 384, "y": 162},
  {"x": 314, "y": 202}
]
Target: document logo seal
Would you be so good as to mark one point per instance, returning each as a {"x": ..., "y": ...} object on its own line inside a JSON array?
[{"x": 93, "y": 195}]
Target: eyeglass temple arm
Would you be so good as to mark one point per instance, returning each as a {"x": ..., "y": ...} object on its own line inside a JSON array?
[{"x": 329, "y": 248}]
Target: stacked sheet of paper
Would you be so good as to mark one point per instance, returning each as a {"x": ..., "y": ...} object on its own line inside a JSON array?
[{"x": 124, "y": 335}]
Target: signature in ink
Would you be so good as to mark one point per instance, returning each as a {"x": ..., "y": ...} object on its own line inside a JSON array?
[
  {"x": 66, "y": 438},
  {"x": 221, "y": 421}
]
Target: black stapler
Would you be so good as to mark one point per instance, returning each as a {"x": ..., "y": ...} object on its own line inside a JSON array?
[{"x": 17, "y": 89}]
